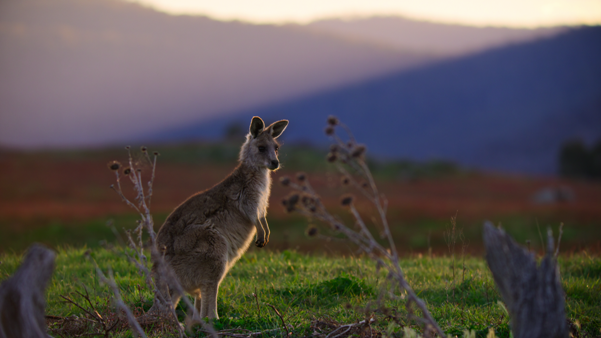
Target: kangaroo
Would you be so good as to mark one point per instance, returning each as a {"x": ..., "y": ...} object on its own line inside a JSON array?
[{"x": 206, "y": 234}]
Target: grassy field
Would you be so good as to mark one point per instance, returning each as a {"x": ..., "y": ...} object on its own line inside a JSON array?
[
  {"x": 62, "y": 199},
  {"x": 316, "y": 293}
]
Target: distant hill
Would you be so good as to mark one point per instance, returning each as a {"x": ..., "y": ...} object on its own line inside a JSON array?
[
  {"x": 90, "y": 72},
  {"x": 507, "y": 109},
  {"x": 429, "y": 37},
  {"x": 78, "y": 72}
]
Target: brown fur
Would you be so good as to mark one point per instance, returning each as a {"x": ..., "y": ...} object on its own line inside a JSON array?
[{"x": 206, "y": 234}]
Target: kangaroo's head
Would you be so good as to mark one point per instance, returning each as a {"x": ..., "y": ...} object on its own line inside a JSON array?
[{"x": 261, "y": 147}]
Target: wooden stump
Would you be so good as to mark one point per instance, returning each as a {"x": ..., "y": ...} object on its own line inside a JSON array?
[
  {"x": 22, "y": 301},
  {"x": 533, "y": 296}
]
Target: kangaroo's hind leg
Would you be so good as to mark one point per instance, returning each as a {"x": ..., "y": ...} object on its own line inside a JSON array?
[
  {"x": 209, "y": 288},
  {"x": 204, "y": 267}
]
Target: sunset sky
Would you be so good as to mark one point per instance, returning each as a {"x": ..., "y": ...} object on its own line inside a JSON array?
[{"x": 513, "y": 13}]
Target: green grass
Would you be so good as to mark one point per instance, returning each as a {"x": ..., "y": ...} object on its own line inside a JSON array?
[
  {"x": 304, "y": 288},
  {"x": 55, "y": 232},
  {"x": 290, "y": 233}
]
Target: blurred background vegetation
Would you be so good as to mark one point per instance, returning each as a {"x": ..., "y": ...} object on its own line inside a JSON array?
[{"x": 63, "y": 198}]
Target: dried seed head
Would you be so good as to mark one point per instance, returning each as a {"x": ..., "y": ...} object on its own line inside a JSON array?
[
  {"x": 139, "y": 170},
  {"x": 333, "y": 120},
  {"x": 285, "y": 181},
  {"x": 290, "y": 202},
  {"x": 345, "y": 180},
  {"x": 156, "y": 153},
  {"x": 337, "y": 226},
  {"x": 332, "y": 157},
  {"x": 293, "y": 199},
  {"x": 143, "y": 149},
  {"x": 329, "y": 130},
  {"x": 359, "y": 151},
  {"x": 305, "y": 200},
  {"x": 114, "y": 165},
  {"x": 334, "y": 148},
  {"x": 312, "y": 231},
  {"x": 127, "y": 147},
  {"x": 290, "y": 208},
  {"x": 127, "y": 171},
  {"x": 309, "y": 203},
  {"x": 346, "y": 200},
  {"x": 301, "y": 177},
  {"x": 364, "y": 185}
]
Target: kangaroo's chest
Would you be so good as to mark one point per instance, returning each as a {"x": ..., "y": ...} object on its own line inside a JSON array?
[{"x": 254, "y": 198}]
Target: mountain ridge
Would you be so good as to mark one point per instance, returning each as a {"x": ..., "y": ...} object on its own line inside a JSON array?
[
  {"x": 77, "y": 73},
  {"x": 105, "y": 65},
  {"x": 506, "y": 109},
  {"x": 429, "y": 37}
]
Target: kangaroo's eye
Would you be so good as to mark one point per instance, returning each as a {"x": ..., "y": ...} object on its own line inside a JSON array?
[{"x": 262, "y": 149}]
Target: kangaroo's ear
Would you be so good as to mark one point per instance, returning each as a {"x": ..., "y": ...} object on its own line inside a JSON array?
[
  {"x": 256, "y": 126},
  {"x": 277, "y": 128}
]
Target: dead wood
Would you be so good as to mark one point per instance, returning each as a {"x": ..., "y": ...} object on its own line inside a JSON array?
[
  {"x": 22, "y": 301},
  {"x": 533, "y": 296}
]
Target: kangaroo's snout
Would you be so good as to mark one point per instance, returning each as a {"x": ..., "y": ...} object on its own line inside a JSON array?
[{"x": 275, "y": 164}]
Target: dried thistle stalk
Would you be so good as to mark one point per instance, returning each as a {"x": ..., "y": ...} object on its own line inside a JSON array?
[
  {"x": 163, "y": 276},
  {"x": 350, "y": 155}
]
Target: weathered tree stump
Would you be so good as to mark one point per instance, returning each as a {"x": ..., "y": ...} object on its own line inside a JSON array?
[
  {"x": 534, "y": 297},
  {"x": 22, "y": 301}
]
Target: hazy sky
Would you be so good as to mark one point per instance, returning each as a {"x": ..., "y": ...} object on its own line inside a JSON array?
[{"x": 516, "y": 13}]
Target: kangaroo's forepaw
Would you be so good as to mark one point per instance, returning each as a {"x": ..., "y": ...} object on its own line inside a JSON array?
[{"x": 260, "y": 243}]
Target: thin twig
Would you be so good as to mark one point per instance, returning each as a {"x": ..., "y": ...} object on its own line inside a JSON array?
[
  {"x": 87, "y": 298},
  {"x": 540, "y": 235},
  {"x": 558, "y": 239},
  {"x": 256, "y": 295},
  {"x": 110, "y": 281},
  {"x": 239, "y": 335},
  {"x": 288, "y": 333},
  {"x": 96, "y": 318},
  {"x": 348, "y": 327},
  {"x": 151, "y": 182}
]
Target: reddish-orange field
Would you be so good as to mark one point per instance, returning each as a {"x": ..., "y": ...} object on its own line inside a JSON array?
[{"x": 35, "y": 190}]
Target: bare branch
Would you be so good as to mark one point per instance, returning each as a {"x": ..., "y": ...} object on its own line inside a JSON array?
[
  {"x": 135, "y": 326},
  {"x": 163, "y": 276}
]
